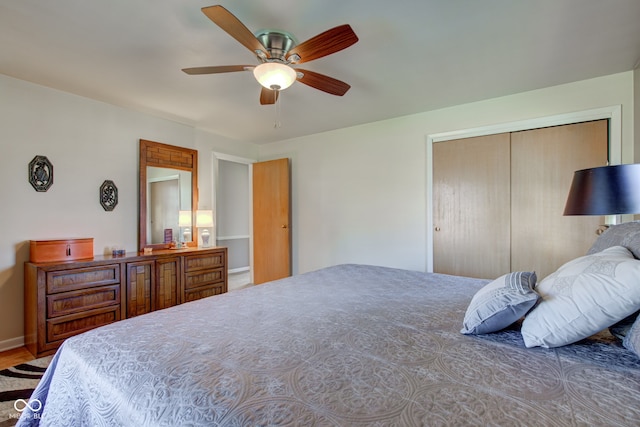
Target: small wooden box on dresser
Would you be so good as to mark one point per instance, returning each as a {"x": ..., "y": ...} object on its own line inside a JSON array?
[{"x": 63, "y": 299}]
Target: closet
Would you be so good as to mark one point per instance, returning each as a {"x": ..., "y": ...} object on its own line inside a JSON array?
[{"x": 498, "y": 200}]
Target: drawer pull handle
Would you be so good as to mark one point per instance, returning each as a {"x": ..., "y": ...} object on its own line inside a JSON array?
[{"x": 68, "y": 250}]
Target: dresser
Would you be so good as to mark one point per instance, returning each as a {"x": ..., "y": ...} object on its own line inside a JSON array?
[{"x": 63, "y": 299}]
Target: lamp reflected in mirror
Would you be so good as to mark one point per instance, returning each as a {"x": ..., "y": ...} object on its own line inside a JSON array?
[{"x": 184, "y": 222}]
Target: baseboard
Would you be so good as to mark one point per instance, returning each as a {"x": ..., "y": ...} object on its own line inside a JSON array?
[
  {"x": 238, "y": 270},
  {"x": 11, "y": 344}
]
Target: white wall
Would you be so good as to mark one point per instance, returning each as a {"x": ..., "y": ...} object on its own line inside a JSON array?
[
  {"x": 359, "y": 193},
  {"x": 87, "y": 142}
]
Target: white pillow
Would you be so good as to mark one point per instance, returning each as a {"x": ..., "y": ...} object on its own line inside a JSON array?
[{"x": 583, "y": 297}]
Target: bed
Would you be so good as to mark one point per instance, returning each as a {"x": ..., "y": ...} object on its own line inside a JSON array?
[{"x": 348, "y": 345}]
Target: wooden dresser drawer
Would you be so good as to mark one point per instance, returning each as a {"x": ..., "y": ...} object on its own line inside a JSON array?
[
  {"x": 204, "y": 292},
  {"x": 82, "y": 278},
  {"x": 202, "y": 278},
  {"x": 62, "y": 304},
  {"x": 204, "y": 262},
  {"x": 63, "y": 327}
]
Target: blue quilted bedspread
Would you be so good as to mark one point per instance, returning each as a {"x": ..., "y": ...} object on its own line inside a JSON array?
[{"x": 346, "y": 345}]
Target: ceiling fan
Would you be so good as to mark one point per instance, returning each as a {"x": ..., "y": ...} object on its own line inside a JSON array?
[{"x": 277, "y": 51}]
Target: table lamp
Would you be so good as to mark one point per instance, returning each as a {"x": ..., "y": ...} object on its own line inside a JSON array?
[
  {"x": 605, "y": 190},
  {"x": 204, "y": 220}
]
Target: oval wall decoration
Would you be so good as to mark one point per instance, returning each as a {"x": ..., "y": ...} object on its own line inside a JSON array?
[
  {"x": 40, "y": 173},
  {"x": 108, "y": 195}
]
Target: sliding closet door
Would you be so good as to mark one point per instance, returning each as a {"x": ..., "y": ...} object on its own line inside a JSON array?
[
  {"x": 542, "y": 165},
  {"x": 471, "y": 206}
]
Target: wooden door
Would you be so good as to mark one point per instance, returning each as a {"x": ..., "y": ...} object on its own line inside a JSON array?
[
  {"x": 271, "y": 221},
  {"x": 471, "y": 206},
  {"x": 542, "y": 166}
]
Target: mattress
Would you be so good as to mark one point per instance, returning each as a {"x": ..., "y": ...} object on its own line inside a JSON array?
[{"x": 349, "y": 345}]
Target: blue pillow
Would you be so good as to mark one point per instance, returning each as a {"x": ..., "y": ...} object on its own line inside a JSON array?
[
  {"x": 626, "y": 234},
  {"x": 632, "y": 338},
  {"x": 621, "y": 329},
  {"x": 500, "y": 303}
]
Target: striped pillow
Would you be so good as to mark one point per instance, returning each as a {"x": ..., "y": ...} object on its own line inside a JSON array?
[{"x": 500, "y": 303}]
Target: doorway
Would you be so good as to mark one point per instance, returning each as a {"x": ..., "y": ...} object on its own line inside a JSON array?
[
  {"x": 252, "y": 208},
  {"x": 232, "y": 201}
]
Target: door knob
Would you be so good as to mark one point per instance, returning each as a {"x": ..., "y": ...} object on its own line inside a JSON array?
[
  {"x": 437, "y": 228},
  {"x": 284, "y": 225}
]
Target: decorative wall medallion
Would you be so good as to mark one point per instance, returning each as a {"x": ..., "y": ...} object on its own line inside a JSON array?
[
  {"x": 108, "y": 195},
  {"x": 40, "y": 173}
]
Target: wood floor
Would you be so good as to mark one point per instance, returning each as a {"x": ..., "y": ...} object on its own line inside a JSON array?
[{"x": 14, "y": 357}]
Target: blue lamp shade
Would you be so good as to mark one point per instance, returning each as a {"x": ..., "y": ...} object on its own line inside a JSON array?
[{"x": 606, "y": 190}]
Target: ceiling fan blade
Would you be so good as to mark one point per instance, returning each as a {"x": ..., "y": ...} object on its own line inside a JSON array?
[
  {"x": 331, "y": 41},
  {"x": 236, "y": 29},
  {"x": 268, "y": 96},
  {"x": 218, "y": 69},
  {"x": 323, "y": 83}
]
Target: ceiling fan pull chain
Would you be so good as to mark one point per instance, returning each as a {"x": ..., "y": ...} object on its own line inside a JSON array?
[{"x": 277, "y": 124}]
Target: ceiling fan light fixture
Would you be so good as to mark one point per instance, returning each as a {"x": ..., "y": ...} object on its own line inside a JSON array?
[{"x": 274, "y": 75}]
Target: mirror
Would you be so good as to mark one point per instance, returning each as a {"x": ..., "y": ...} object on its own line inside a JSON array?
[{"x": 168, "y": 184}]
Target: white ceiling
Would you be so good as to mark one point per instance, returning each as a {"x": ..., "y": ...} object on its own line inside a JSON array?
[{"x": 412, "y": 56}]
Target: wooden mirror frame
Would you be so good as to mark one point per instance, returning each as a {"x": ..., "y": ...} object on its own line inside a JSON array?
[{"x": 164, "y": 156}]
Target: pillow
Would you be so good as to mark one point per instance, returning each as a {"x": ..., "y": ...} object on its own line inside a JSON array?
[
  {"x": 632, "y": 339},
  {"x": 620, "y": 329},
  {"x": 626, "y": 234},
  {"x": 500, "y": 303},
  {"x": 583, "y": 297}
]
